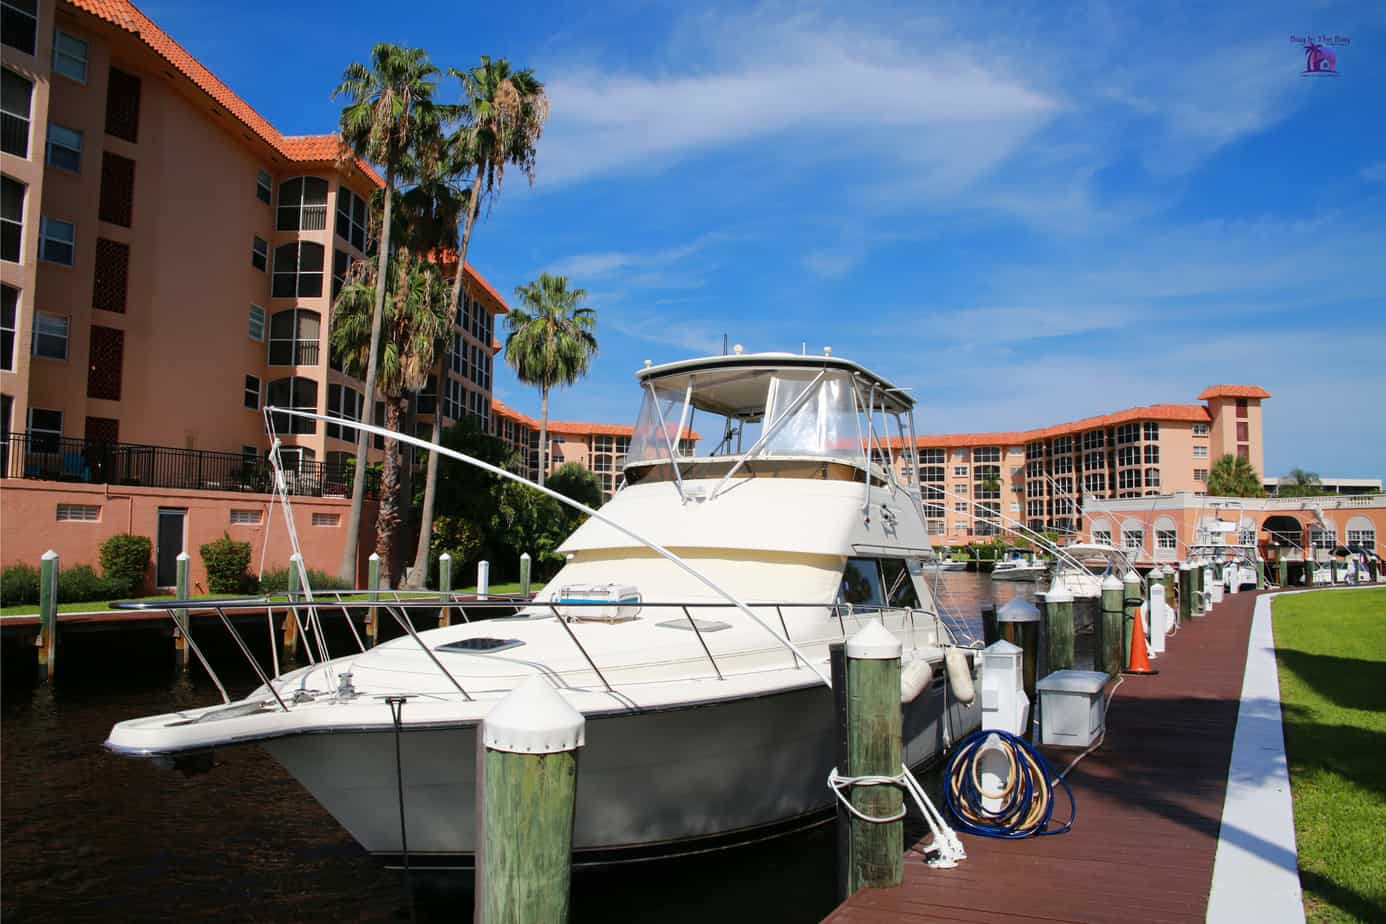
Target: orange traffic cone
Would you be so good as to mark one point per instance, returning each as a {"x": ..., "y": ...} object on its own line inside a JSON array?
[{"x": 1140, "y": 658}]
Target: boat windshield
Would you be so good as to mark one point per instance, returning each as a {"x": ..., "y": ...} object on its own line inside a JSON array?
[{"x": 777, "y": 412}]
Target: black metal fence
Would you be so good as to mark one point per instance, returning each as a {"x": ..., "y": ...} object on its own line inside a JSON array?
[{"x": 47, "y": 457}]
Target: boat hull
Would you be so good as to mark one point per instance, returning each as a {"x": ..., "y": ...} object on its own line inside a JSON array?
[{"x": 658, "y": 782}]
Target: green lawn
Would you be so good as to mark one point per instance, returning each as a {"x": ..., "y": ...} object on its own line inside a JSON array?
[
  {"x": 1331, "y": 650},
  {"x": 98, "y": 605}
]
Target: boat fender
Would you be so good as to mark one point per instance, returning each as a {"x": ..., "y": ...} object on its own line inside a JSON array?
[
  {"x": 959, "y": 677},
  {"x": 915, "y": 677}
]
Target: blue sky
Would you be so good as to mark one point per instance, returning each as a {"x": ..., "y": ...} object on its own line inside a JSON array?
[{"x": 1028, "y": 213}]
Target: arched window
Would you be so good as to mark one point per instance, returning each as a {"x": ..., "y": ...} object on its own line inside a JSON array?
[
  {"x": 1166, "y": 538},
  {"x": 298, "y": 270},
  {"x": 345, "y": 403},
  {"x": 1361, "y": 533},
  {"x": 1132, "y": 535},
  {"x": 1102, "y": 532},
  {"x": 294, "y": 337},
  {"x": 302, "y": 204},
  {"x": 297, "y": 393}
]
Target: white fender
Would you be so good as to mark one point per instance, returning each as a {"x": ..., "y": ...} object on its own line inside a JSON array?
[
  {"x": 959, "y": 677},
  {"x": 915, "y": 677}
]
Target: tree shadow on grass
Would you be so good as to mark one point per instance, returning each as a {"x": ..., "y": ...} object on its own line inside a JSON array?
[
  {"x": 1349, "y": 683},
  {"x": 1362, "y": 907}
]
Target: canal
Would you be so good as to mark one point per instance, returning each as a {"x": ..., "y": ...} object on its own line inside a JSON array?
[{"x": 90, "y": 836}]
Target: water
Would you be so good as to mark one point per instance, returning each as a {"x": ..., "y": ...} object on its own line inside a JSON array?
[{"x": 87, "y": 835}]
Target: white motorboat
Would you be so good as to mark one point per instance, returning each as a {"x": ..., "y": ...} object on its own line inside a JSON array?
[
  {"x": 1236, "y": 562},
  {"x": 944, "y": 564},
  {"x": 1019, "y": 565},
  {"x": 691, "y": 626},
  {"x": 1082, "y": 566}
]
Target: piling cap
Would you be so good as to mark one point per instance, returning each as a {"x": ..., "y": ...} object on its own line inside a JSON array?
[
  {"x": 874, "y": 642},
  {"x": 1185, "y": 566},
  {"x": 1058, "y": 593},
  {"x": 534, "y": 718},
  {"x": 1131, "y": 577},
  {"x": 1018, "y": 609},
  {"x": 1110, "y": 582},
  {"x": 1002, "y": 647}
]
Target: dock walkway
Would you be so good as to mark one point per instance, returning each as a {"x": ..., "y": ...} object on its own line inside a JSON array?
[{"x": 1150, "y": 805}]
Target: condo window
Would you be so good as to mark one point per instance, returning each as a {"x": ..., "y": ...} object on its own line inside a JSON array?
[
  {"x": 341, "y": 267},
  {"x": 1200, "y": 429},
  {"x": 1241, "y": 409},
  {"x": 16, "y": 94},
  {"x": 9, "y": 317},
  {"x": 251, "y": 399},
  {"x": 1129, "y": 455},
  {"x": 1063, "y": 444},
  {"x": 1095, "y": 484},
  {"x": 343, "y": 403},
  {"x": 302, "y": 204},
  {"x": 1243, "y": 431},
  {"x": 105, "y": 360},
  {"x": 50, "y": 335},
  {"x": 960, "y": 506},
  {"x": 70, "y": 56},
  {"x": 264, "y": 185},
  {"x": 454, "y": 399},
  {"x": 1062, "y": 465},
  {"x": 1102, "y": 536},
  {"x": 353, "y": 221},
  {"x": 259, "y": 254},
  {"x": 11, "y": 217},
  {"x": 298, "y": 270},
  {"x": 1362, "y": 538},
  {"x": 1200, "y": 474},
  {"x": 1150, "y": 430},
  {"x": 931, "y": 473},
  {"x": 255, "y": 326},
  {"x": 1128, "y": 478},
  {"x": 986, "y": 454},
  {"x": 245, "y": 517},
  {"x": 19, "y": 24},
  {"x": 1133, "y": 538},
  {"x": 294, "y": 336},
  {"x": 1152, "y": 455},
  {"x": 1128, "y": 433},
  {"x": 1320, "y": 538},
  {"x": 931, "y": 457},
  {"x": 1200, "y": 452},
  {"x": 1152, "y": 478},
  {"x": 117, "y": 200},
  {"x": 296, "y": 393},
  {"x": 57, "y": 241},
  {"x": 960, "y": 471},
  {"x": 1166, "y": 540},
  {"x": 1094, "y": 439},
  {"x": 45, "y": 429},
  {"x": 122, "y": 105},
  {"x": 960, "y": 490}
]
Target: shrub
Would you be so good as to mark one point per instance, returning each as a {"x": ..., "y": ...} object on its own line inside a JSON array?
[
  {"x": 226, "y": 561},
  {"x": 125, "y": 562},
  {"x": 19, "y": 585},
  {"x": 277, "y": 582},
  {"x": 81, "y": 583}
]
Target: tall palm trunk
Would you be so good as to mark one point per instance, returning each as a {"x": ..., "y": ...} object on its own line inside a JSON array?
[
  {"x": 418, "y": 574},
  {"x": 543, "y": 434},
  {"x": 358, "y": 484},
  {"x": 387, "y": 520}
]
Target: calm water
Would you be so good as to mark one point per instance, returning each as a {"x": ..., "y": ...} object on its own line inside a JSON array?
[{"x": 86, "y": 835}]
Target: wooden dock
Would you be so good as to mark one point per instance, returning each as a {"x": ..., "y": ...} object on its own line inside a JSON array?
[{"x": 1149, "y": 808}]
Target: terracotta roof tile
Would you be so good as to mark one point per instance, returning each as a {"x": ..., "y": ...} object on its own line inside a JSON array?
[
  {"x": 572, "y": 427},
  {"x": 1196, "y": 413},
  {"x": 301, "y": 149},
  {"x": 1233, "y": 391}
]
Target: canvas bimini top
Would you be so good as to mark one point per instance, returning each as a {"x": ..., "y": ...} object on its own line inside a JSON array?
[{"x": 737, "y": 385}]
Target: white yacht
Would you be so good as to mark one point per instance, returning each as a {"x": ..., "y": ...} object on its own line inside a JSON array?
[
  {"x": 1019, "y": 565},
  {"x": 698, "y": 651},
  {"x": 1082, "y": 566}
]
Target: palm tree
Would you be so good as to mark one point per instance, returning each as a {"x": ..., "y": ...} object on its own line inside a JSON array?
[
  {"x": 1300, "y": 483},
  {"x": 391, "y": 108},
  {"x": 503, "y": 115},
  {"x": 1233, "y": 476},
  {"x": 416, "y": 327},
  {"x": 551, "y": 343}
]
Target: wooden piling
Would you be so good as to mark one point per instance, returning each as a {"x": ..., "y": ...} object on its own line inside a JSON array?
[
  {"x": 373, "y": 593},
  {"x": 1058, "y": 630},
  {"x": 524, "y": 574},
  {"x": 1309, "y": 568},
  {"x": 874, "y": 748},
  {"x": 990, "y": 630},
  {"x": 180, "y": 643},
  {"x": 1185, "y": 592},
  {"x": 1170, "y": 578},
  {"x": 1019, "y": 623},
  {"x": 47, "y": 641},
  {"x": 444, "y": 589},
  {"x": 1131, "y": 619},
  {"x": 1109, "y": 653},
  {"x": 1282, "y": 572},
  {"x": 291, "y": 614},
  {"x": 528, "y": 763}
]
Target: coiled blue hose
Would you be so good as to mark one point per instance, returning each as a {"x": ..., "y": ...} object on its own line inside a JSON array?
[{"x": 1027, "y": 806}]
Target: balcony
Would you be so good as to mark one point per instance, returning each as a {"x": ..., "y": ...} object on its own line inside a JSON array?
[
  {"x": 44, "y": 457},
  {"x": 293, "y": 352}
]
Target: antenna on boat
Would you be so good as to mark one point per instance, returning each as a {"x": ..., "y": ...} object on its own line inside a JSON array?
[{"x": 724, "y": 343}]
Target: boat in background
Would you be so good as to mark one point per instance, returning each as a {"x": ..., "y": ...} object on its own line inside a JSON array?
[
  {"x": 1019, "y": 565},
  {"x": 1083, "y": 565}
]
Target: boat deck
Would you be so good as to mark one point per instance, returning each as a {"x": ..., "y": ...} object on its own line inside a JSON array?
[{"x": 1150, "y": 803}]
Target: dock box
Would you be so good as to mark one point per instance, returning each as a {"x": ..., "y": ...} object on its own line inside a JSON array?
[
  {"x": 599, "y": 602},
  {"x": 1072, "y": 711}
]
